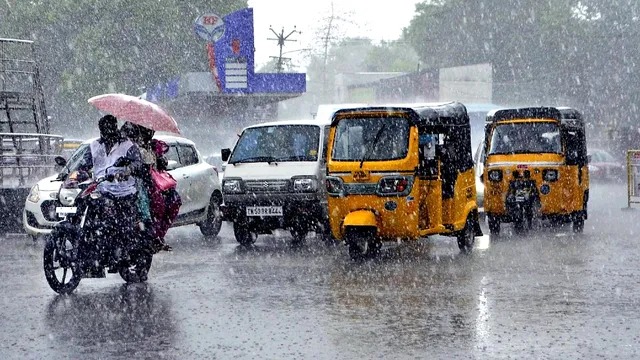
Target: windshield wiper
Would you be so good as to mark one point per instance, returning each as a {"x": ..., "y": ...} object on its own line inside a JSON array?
[
  {"x": 268, "y": 159},
  {"x": 373, "y": 144}
]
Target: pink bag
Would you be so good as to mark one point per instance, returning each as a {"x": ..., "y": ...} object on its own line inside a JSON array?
[{"x": 162, "y": 180}]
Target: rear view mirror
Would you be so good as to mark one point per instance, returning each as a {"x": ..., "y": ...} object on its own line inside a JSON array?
[
  {"x": 60, "y": 161},
  {"x": 172, "y": 165},
  {"x": 225, "y": 154}
]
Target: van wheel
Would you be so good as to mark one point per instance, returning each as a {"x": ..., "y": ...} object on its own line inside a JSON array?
[
  {"x": 362, "y": 244},
  {"x": 466, "y": 236},
  {"x": 494, "y": 225},
  {"x": 211, "y": 226},
  {"x": 243, "y": 234},
  {"x": 299, "y": 235}
]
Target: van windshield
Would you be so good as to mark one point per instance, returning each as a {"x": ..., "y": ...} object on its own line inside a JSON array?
[
  {"x": 522, "y": 138},
  {"x": 279, "y": 143},
  {"x": 367, "y": 139}
]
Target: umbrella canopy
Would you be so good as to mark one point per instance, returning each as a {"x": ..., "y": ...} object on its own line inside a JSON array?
[{"x": 136, "y": 110}]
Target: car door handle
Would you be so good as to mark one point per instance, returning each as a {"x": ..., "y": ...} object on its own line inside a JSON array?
[{"x": 185, "y": 176}]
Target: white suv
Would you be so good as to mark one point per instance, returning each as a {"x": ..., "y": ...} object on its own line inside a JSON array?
[{"x": 198, "y": 186}]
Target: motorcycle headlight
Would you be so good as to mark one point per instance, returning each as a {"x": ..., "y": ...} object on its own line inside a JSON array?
[
  {"x": 335, "y": 186},
  {"x": 34, "y": 194},
  {"x": 232, "y": 186},
  {"x": 495, "y": 175},
  {"x": 395, "y": 185},
  {"x": 305, "y": 184},
  {"x": 550, "y": 175}
]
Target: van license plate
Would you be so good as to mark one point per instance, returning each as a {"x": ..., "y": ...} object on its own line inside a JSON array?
[
  {"x": 62, "y": 210},
  {"x": 264, "y": 211}
]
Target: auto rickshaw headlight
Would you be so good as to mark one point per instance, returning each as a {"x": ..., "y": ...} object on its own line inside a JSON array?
[
  {"x": 232, "y": 186},
  {"x": 305, "y": 184},
  {"x": 550, "y": 175},
  {"x": 495, "y": 175},
  {"x": 335, "y": 186},
  {"x": 394, "y": 185}
]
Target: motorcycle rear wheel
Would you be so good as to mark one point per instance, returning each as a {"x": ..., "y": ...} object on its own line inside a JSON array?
[
  {"x": 138, "y": 270},
  {"x": 60, "y": 258}
]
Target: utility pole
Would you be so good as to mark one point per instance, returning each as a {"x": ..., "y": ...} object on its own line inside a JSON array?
[{"x": 281, "y": 38}]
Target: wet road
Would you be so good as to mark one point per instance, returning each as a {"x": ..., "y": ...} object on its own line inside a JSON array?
[{"x": 547, "y": 295}]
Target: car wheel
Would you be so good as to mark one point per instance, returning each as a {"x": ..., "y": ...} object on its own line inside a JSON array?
[
  {"x": 243, "y": 234},
  {"x": 210, "y": 228}
]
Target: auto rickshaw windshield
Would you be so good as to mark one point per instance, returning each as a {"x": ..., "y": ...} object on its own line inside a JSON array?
[
  {"x": 371, "y": 138},
  {"x": 522, "y": 138}
]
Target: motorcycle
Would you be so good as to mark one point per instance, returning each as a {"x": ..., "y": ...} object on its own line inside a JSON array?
[{"x": 89, "y": 240}]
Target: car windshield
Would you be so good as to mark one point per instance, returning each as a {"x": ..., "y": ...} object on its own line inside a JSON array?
[
  {"x": 368, "y": 139},
  {"x": 279, "y": 143},
  {"x": 522, "y": 138}
]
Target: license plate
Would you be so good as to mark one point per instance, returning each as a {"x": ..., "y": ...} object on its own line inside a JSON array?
[
  {"x": 521, "y": 198},
  {"x": 63, "y": 210},
  {"x": 264, "y": 211}
]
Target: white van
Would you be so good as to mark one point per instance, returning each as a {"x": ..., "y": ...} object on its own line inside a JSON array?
[{"x": 274, "y": 179}]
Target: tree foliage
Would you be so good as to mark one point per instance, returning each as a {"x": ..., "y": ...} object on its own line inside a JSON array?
[
  {"x": 573, "y": 52},
  {"x": 89, "y": 47}
]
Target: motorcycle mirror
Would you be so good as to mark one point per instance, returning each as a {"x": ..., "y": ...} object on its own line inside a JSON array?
[{"x": 60, "y": 161}]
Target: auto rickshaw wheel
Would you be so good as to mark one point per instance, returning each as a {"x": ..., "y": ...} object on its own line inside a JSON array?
[
  {"x": 466, "y": 237},
  {"x": 494, "y": 225},
  {"x": 362, "y": 243},
  {"x": 578, "y": 223}
]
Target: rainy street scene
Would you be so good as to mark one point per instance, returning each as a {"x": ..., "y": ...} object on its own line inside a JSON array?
[{"x": 279, "y": 179}]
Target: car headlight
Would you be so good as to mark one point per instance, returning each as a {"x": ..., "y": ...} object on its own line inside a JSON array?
[
  {"x": 335, "y": 186},
  {"x": 550, "y": 175},
  {"x": 395, "y": 185},
  {"x": 495, "y": 175},
  {"x": 34, "y": 194},
  {"x": 232, "y": 186},
  {"x": 305, "y": 184}
]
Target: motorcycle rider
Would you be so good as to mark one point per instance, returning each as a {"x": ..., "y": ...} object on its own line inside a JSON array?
[{"x": 105, "y": 152}]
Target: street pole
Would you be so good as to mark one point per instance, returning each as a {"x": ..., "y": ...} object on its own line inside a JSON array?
[{"x": 281, "y": 38}]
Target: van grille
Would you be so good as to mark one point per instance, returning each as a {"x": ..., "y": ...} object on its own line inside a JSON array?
[{"x": 267, "y": 186}]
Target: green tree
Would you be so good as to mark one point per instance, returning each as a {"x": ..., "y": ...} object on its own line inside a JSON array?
[{"x": 90, "y": 47}]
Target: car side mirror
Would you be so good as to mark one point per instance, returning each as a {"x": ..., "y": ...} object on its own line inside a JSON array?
[
  {"x": 588, "y": 159},
  {"x": 60, "y": 161},
  {"x": 172, "y": 165},
  {"x": 225, "y": 154}
]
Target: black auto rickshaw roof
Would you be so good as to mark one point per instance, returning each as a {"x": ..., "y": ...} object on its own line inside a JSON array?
[
  {"x": 430, "y": 114},
  {"x": 566, "y": 115}
]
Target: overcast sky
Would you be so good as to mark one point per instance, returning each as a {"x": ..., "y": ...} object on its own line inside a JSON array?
[{"x": 374, "y": 19}]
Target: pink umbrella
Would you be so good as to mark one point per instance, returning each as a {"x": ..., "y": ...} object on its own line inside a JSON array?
[{"x": 136, "y": 110}]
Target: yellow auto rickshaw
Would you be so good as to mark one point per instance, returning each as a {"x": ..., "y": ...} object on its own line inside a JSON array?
[
  {"x": 401, "y": 173},
  {"x": 535, "y": 168}
]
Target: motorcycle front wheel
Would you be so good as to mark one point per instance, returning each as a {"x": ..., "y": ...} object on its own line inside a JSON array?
[
  {"x": 138, "y": 268},
  {"x": 60, "y": 261}
]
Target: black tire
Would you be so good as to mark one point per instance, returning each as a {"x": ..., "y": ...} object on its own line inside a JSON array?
[
  {"x": 578, "y": 224},
  {"x": 466, "y": 237},
  {"x": 244, "y": 236},
  {"x": 210, "y": 228},
  {"x": 60, "y": 253},
  {"x": 299, "y": 235},
  {"x": 494, "y": 225},
  {"x": 362, "y": 244},
  {"x": 138, "y": 270}
]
